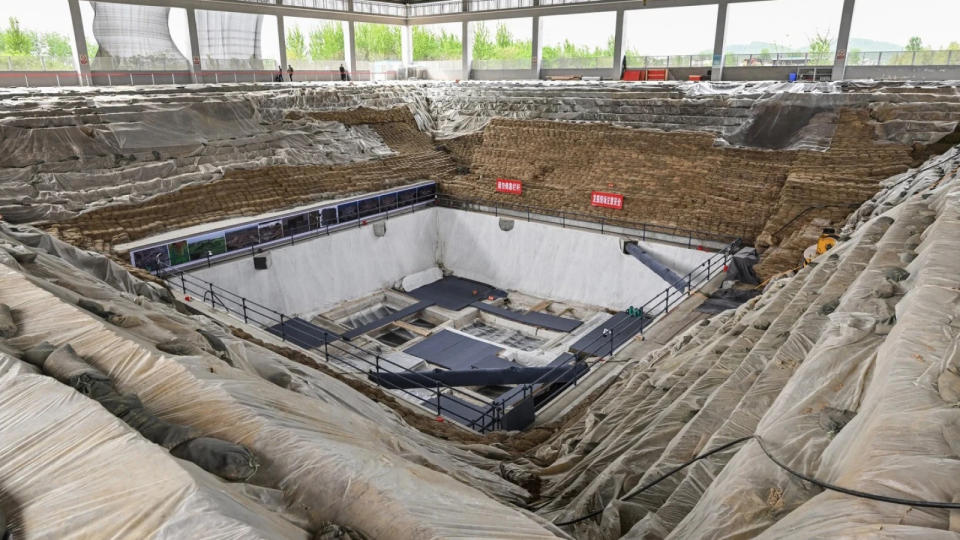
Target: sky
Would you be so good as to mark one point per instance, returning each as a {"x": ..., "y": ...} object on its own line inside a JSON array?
[{"x": 683, "y": 30}]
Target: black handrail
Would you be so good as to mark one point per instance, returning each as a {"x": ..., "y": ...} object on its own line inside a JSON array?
[
  {"x": 339, "y": 351},
  {"x": 266, "y": 317},
  {"x": 534, "y": 213}
]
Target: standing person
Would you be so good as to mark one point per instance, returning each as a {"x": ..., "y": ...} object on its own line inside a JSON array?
[
  {"x": 343, "y": 73},
  {"x": 279, "y": 76},
  {"x": 290, "y": 72}
]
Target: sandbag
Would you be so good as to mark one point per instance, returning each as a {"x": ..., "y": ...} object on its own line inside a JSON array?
[
  {"x": 224, "y": 459},
  {"x": 8, "y": 328}
]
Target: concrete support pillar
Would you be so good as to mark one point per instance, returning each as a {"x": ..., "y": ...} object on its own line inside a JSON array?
[
  {"x": 537, "y": 53},
  {"x": 467, "y": 44},
  {"x": 718, "y": 41},
  {"x": 195, "y": 65},
  {"x": 349, "y": 47},
  {"x": 618, "y": 47},
  {"x": 843, "y": 40},
  {"x": 406, "y": 45},
  {"x": 282, "y": 37},
  {"x": 80, "y": 42}
]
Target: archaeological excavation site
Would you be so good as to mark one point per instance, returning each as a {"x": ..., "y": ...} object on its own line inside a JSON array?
[{"x": 702, "y": 301}]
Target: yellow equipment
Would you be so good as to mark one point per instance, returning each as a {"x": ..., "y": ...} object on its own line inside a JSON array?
[{"x": 828, "y": 239}]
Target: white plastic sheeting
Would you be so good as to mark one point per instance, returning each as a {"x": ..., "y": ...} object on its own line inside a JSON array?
[
  {"x": 846, "y": 370},
  {"x": 334, "y": 454},
  {"x": 63, "y": 153}
]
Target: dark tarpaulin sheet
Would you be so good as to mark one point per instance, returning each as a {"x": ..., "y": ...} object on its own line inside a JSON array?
[
  {"x": 725, "y": 299},
  {"x": 395, "y": 316},
  {"x": 455, "y": 293},
  {"x": 302, "y": 333},
  {"x": 458, "y": 352},
  {"x": 623, "y": 328},
  {"x": 533, "y": 318},
  {"x": 470, "y": 414},
  {"x": 741, "y": 267}
]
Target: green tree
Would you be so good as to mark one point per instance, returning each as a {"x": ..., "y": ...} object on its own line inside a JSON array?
[
  {"x": 915, "y": 44},
  {"x": 326, "y": 42},
  {"x": 431, "y": 45},
  {"x": 17, "y": 42},
  {"x": 377, "y": 42},
  {"x": 296, "y": 44},
  {"x": 820, "y": 48},
  {"x": 57, "y": 45}
]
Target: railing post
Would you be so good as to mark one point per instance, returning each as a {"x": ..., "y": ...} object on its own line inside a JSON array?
[
  {"x": 439, "y": 407},
  {"x": 243, "y": 302},
  {"x": 666, "y": 301},
  {"x": 283, "y": 332},
  {"x": 708, "y": 267},
  {"x": 183, "y": 283},
  {"x": 212, "y": 304},
  {"x": 326, "y": 357},
  {"x": 601, "y": 224}
]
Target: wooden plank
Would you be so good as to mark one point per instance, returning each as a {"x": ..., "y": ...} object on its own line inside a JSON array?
[
  {"x": 424, "y": 332},
  {"x": 540, "y": 306}
]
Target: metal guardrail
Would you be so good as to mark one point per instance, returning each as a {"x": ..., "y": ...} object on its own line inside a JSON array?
[
  {"x": 669, "y": 61},
  {"x": 645, "y": 231},
  {"x": 652, "y": 310},
  {"x": 585, "y": 62},
  {"x": 490, "y": 414},
  {"x": 342, "y": 353}
]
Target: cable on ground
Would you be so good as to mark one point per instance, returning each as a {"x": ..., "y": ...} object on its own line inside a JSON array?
[{"x": 778, "y": 463}]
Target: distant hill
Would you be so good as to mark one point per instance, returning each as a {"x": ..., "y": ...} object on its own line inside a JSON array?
[{"x": 863, "y": 45}]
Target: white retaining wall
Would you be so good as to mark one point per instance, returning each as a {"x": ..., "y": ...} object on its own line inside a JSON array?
[
  {"x": 317, "y": 274},
  {"x": 534, "y": 258},
  {"x": 552, "y": 262}
]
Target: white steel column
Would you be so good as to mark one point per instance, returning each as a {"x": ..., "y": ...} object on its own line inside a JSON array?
[
  {"x": 466, "y": 41},
  {"x": 195, "y": 66},
  {"x": 537, "y": 53},
  {"x": 406, "y": 45},
  {"x": 718, "y": 41},
  {"x": 843, "y": 40},
  {"x": 349, "y": 45},
  {"x": 282, "y": 38},
  {"x": 618, "y": 46},
  {"x": 80, "y": 42}
]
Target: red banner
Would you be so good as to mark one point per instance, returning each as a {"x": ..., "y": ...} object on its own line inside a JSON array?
[
  {"x": 510, "y": 186},
  {"x": 607, "y": 200}
]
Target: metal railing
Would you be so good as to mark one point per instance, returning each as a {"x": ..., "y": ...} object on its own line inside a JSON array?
[
  {"x": 140, "y": 63},
  {"x": 490, "y": 5},
  {"x": 778, "y": 59},
  {"x": 37, "y": 63},
  {"x": 487, "y": 416},
  {"x": 904, "y": 58},
  {"x": 669, "y": 61},
  {"x": 502, "y": 63},
  {"x": 295, "y": 235},
  {"x": 444, "y": 7},
  {"x": 648, "y": 313},
  {"x": 584, "y": 62},
  {"x": 338, "y": 352},
  {"x": 380, "y": 8},
  {"x": 333, "y": 5},
  {"x": 624, "y": 227}
]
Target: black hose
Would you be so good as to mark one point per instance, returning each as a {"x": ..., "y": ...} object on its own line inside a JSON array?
[{"x": 778, "y": 463}]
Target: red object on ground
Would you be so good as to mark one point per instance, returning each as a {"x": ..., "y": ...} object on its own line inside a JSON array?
[
  {"x": 439, "y": 419},
  {"x": 695, "y": 77},
  {"x": 514, "y": 187},
  {"x": 606, "y": 200},
  {"x": 634, "y": 75},
  {"x": 725, "y": 268},
  {"x": 656, "y": 74},
  {"x": 187, "y": 298}
]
